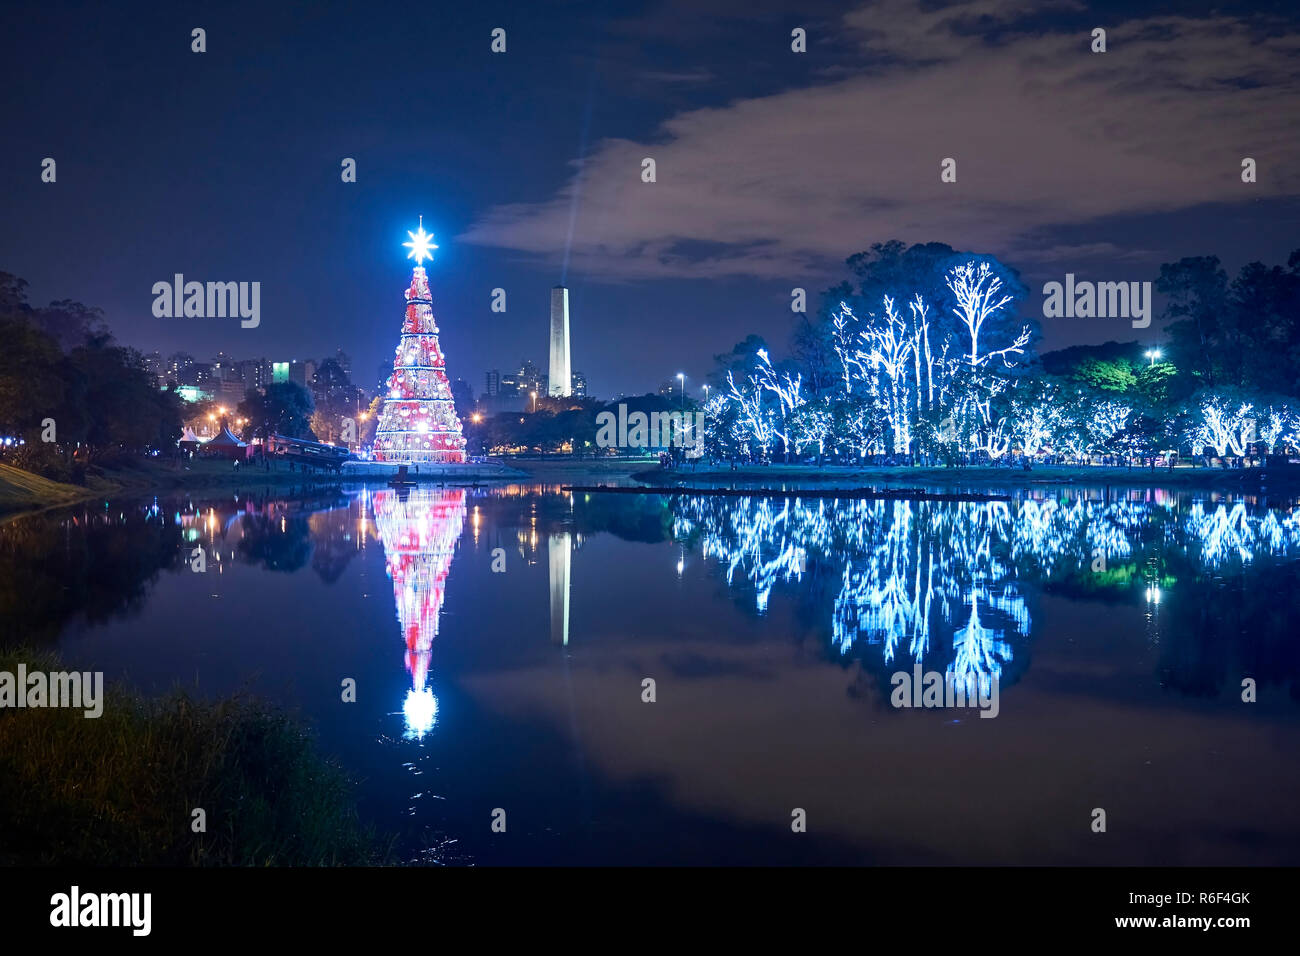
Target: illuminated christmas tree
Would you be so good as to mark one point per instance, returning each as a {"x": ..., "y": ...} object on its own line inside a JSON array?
[{"x": 418, "y": 422}]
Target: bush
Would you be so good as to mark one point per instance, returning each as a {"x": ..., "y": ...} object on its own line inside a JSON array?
[
  {"x": 120, "y": 789},
  {"x": 45, "y": 460}
]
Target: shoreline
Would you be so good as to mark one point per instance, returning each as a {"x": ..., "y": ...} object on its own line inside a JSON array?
[
  {"x": 865, "y": 494},
  {"x": 902, "y": 477},
  {"x": 25, "y": 493}
]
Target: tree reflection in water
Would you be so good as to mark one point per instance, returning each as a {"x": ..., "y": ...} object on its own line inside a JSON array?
[
  {"x": 946, "y": 580},
  {"x": 419, "y": 529}
]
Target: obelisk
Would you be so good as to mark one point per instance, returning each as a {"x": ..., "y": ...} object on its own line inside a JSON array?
[{"x": 560, "y": 382}]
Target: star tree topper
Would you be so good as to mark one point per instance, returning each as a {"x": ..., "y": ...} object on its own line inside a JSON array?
[{"x": 421, "y": 244}]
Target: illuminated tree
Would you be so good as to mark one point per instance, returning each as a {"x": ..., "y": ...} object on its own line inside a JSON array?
[
  {"x": 753, "y": 421},
  {"x": 1036, "y": 416},
  {"x": 811, "y": 424},
  {"x": 890, "y": 349},
  {"x": 1226, "y": 422},
  {"x": 787, "y": 392},
  {"x": 980, "y": 298},
  {"x": 418, "y": 422}
]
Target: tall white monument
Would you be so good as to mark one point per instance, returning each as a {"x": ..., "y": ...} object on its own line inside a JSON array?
[{"x": 560, "y": 383}]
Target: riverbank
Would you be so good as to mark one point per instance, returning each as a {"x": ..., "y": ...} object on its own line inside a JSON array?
[
  {"x": 865, "y": 494},
  {"x": 125, "y": 788},
  {"x": 566, "y": 471},
  {"x": 22, "y": 492},
  {"x": 784, "y": 477}
]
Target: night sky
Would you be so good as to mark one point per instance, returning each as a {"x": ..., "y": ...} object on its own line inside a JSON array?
[{"x": 772, "y": 166}]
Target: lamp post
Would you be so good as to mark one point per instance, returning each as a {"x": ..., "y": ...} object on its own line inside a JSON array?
[
  {"x": 706, "y": 394},
  {"x": 1153, "y": 354},
  {"x": 682, "y": 378},
  {"x": 534, "y": 394}
]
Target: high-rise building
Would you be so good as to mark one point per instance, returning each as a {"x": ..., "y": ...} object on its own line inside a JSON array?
[
  {"x": 345, "y": 362},
  {"x": 301, "y": 373},
  {"x": 492, "y": 386},
  {"x": 559, "y": 381},
  {"x": 228, "y": 392},
  {"x": 254, "y": 373},
  {"x": 528, "y": 379},
  {"x": 177, "y": 365},
  {"x": 579, "y": 385},
  {"x": 153, "y": 361}
]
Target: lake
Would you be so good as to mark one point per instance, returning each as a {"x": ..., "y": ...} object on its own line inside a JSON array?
[{"x": 500, "y": 640}]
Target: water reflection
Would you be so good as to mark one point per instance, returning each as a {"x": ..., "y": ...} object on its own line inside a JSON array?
[
  {"x": 927, "y": 578},
  {"x": 559, "y": 560},
  {"x": 419, "y": 530},
  {"x": 1139, "y": 612}
]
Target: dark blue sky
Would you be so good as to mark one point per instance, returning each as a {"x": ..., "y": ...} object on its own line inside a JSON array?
[{"x": 773, "y": 167}]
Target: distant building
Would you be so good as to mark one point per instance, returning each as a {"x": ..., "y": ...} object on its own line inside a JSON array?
[
  {"x": 492, "y": 384},
  {"x": 560, "y": 384},
  {"x": 225, "y": 369},
  {"x": 300, "y": 373},
  {"x": 156, "y": 367},
  {"x": 254, "y": 373},
  {"x": 228, "y": 393},
  {"x": 177, "y": 366},
  {"x": 579, "y": 385},
  {"x": 192, "y": 393},
  {"x": 528, "y": 379},
  {"x": 668, "y": 388},
  {"x": 490, "y": 405}
]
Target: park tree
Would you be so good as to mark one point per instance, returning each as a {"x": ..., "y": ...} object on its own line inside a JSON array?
[
  {"x": 1196, "y": 289},
  {"x": 284, "y": 408}
]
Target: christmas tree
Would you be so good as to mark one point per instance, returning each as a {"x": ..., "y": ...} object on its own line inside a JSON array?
[{"x": 418, "y": 422}]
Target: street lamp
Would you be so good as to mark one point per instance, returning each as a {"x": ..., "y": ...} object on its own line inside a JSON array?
[
  {"x": 706, "y": 394},
  {"x": 1153, "y": 354},
  {"x": 534, "y": 394},
  {"x": 682, "y": 377}
]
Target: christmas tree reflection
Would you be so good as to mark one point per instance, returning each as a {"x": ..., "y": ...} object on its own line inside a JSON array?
[{"x": 419, "y": 530}]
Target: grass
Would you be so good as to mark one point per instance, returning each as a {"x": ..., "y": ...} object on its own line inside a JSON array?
[
  {"x": 21, "y": 489},
  {"x": 120, "y": 789}
]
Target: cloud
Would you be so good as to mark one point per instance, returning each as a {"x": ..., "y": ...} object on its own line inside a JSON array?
[
  {"x": 1044, "y": 132},
  {"x": 1109, "y": 251},
  {"x": 684, "y": 76}
]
